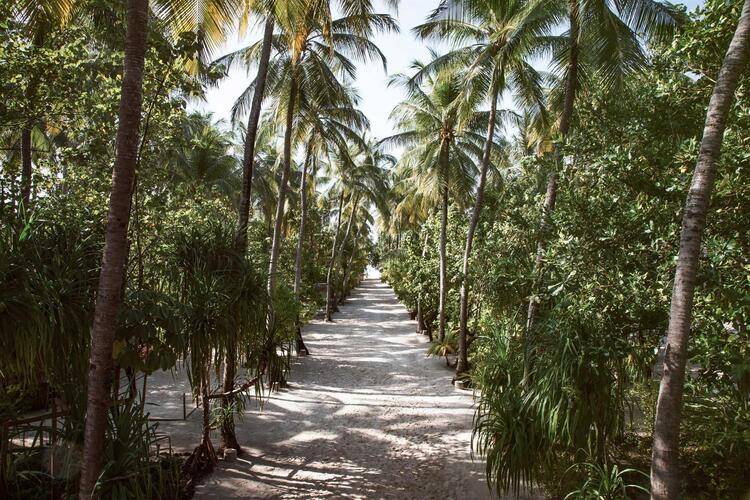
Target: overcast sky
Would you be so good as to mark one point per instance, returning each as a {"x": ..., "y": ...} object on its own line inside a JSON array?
[{"x": 377, "y": 98}]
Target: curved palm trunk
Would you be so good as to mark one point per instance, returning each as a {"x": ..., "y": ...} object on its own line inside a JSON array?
[
  {"x": 276, "y": 239},
  {"x": 463, "y": 361},
  {"x": 329, "y": 275},
  {"x": 420, "y": 314},
  {"x": 571, "y": 85},
  {"x": 665, "y": 477},
  {"x": 443, "y": 278},
  {"x": 346, "y": 271},
  {"x": 228, "y": 437},
  {"x": 301, "y": 348},
  {"x": 345, "y": 240},
  {"x": 115, "y": 248},
  {"x": 252, "y": 131}
]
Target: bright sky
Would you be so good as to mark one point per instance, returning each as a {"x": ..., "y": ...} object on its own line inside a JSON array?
[{"x": 377, "y": 98}]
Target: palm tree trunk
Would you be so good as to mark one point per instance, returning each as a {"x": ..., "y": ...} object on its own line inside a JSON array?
[
  {"x": 346, "y": 270},
  {"x": 276, "y": 240},
  {"x": 420, "y": 313},
  {"x": 206, "y": 446},
  {"x": 252, "y": 132},
  {"x": 345, "y": 239},
  {"x": 329, "y": 275},
  {"x": 665, "y": 477},
  {"x": 300, "y": 247},
  {"x": 115, "y": 248},
  {"x": 228, "y": 435},
  {"x": 571, "y": 82},
  {"x": 302, "y": 222},
  {"x": 443, "y": 280},
  {"x": 463, "y": 362},
  {"x": 571, "y": 86}
]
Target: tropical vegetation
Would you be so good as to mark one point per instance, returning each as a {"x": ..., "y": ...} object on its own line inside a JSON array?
[{"x": 562, "y": 206}]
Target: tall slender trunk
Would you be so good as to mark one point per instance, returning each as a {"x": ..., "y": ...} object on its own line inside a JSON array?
[
  {"x": 444, "y": 160},
  {"x": 345, "y": 271},
  {"x": 2, "y": 197},
  {"x": 443, "y": 263},
  {"x": 302, "y": 224},
  {"x": 301, "y": 348},
  {"x": 329, "y": 275},
  {"x": 228, "y": 435},
  {"x": 665, "y": 474},
  {"x": 207, "y": 447},
  {"x": 571, "y": 86},
  {"x": 420, "y": 314},
  {"x": 345, "y": 239},
  {"x": 571, "y": 82},
  {"x": 253, "y": 120},
  {"x": 276, "y": 239},
  {"x": 463, "y": 362},
  {"x": 114, "y": 257}
]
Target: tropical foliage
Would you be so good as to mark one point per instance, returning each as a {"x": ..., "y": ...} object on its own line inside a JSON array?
[
  {"x": 577, "y": 382},
  {"x": 193, "y": 300},
  {"x": 547, "y": 250}
]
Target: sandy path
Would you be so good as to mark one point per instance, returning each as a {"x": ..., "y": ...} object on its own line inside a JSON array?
[{"x": 367, "y": 415}]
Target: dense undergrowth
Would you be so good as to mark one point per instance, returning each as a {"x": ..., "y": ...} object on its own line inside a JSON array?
[
  {"x": 570, "y": 405},
  {"x": 193, "y": 300}
]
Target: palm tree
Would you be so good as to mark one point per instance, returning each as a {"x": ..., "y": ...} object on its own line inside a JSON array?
[
  {"x": 372, "y": 180},
  {"x": 665, "y": 474},
  {"x": 602, "y": 45},
  {"x": 259, "y": 53},
  {"x": 201, "y": 160},
  {"x": 358, "y": 178},
  {"x": 499, "y": 39},
  {"x": 312, "y": 51},
  {"x": 412, "y": 210},
  {"x": 251, "y": 133},
  {"x": 209, "y": 19},
  {"x": 444, "y": 133},
  {"x": 336, "y": 192},
  {"x": 364, "y": 180},
  {"x": 327, "y": 129},
  {"x": 343, "y": 165},
  {"x": 115, "y": 247}
]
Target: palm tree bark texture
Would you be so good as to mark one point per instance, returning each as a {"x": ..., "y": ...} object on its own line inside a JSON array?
[
  {"x": 109, "y": 296},
  {"x": 301, "y": 347},
  {"x": 228, "y": 437},
  {"x": 463, "y": 361},
  {"x": 251, "y": 134},
  {"x": 665, "y": 473},
  {"x": 332, "y": 261},
  {"x": 277, "y": 229}
]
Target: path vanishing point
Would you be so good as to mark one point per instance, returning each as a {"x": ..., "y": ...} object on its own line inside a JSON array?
[{"x": 367, "y": 415}]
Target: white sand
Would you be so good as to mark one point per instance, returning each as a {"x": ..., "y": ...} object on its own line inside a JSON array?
[{"x": 367, "y": 415}]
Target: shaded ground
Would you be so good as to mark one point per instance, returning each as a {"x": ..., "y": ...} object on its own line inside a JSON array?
[{"x": 366, "y": 416}]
